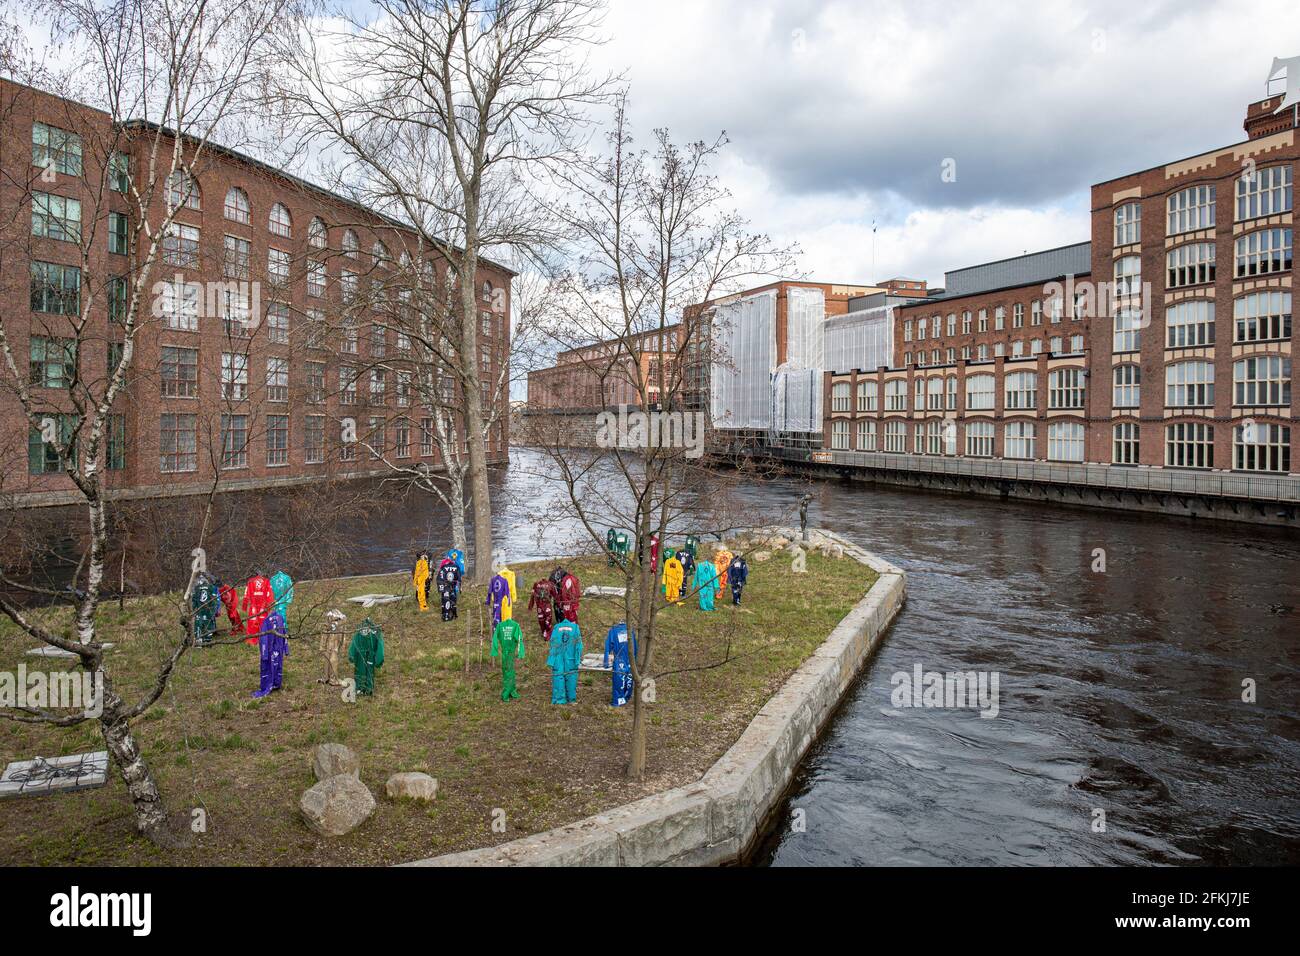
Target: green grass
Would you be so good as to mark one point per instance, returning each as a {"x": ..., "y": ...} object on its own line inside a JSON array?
[{"x": 246, "y": 762}]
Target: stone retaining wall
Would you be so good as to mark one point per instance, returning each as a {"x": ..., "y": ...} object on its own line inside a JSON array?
[{"x": 718, "y": 818}]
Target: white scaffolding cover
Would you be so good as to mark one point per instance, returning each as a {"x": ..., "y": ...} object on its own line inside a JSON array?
[
  {"x": 860, "y": 340},
  {"x": 744, "y": 340},
  {"x": 804, "y": 323},
  {"x": 797, "y": 400}
]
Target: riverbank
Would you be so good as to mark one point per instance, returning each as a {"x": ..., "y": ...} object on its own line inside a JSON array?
[{"x": 525, "y": 765}]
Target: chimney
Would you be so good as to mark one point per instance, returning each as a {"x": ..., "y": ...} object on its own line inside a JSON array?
[{"x": 1261, "y": 121}]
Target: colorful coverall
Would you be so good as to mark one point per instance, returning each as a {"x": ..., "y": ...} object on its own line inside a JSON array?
[
  {"x": 282, "y": 588},
  {"x": 542, "y": 601},
  {"x": 274, "y": 640},
  {"x": 508, "y": 644},
  {"x": 564, "y": 659},
  {"x": 737, "y": 575},
  {"x": 673, "y": 577},
  {"x": 448, "y": 588},
  {"x": 366, "y": 652},
  {"x": 204, "y": 602},
  {"x": 420, "y": 578},
  {"x": 459, "y": 557},
  {"x": 510, "y": 577},
  {"x": 722, "y": 561},
  {"x": 498, "y": 599},
  {"x": 570, "y": 597},
  {"x": 258, "y": 600},
  {"x": 706, "y": 584},
  {"x": 688, "y": 565},
  {"x": 230, "y": 598},
  {"x": 621, "y": 649}
]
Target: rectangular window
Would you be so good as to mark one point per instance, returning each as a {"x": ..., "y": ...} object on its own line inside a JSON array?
[
  {"x": 1018, "y": 440},
  {"x": 180, "y": 245},
  {"x": 1018, "y": 315},
  {"x": 347, "y": 385},
  {"x": 1262, "y": 317},
  {"x": 118, "y": 236},
  {"x": 235, "y": 257},
  {"x": 867, "y": 396},
  {"x": 1261, "y": 446},
  {"x": 378, "y": 341},
  {"x": 57, "y": 149},
  {"x": 277, "y": 323},
  {"x": 234, "y": 441},
  {"x": 1189, "y": 324},
  {"x": 1065, "y": 388},
  {"x": 866, "y": 436},
  {"x": 314, "y": 439},
  {"x": 1125, "y": 447},
  {"x": 316, "y": 382},
  {"x": 402, "y": 443},
  {"x": 895, "y": 436},
  {"x": 119, "y": 173},
  {"x": 56, "y": 289},
  {"x": 1127, "y": 392},
  {"x": 1189, "y": 385},
  {"x": 1189, "y": 445},
  {"x": 178, "y": 448},
  {"x": 1128, "y": 331},
  {"x": 896, "y": 395},
  {"x": 979, "y": 439},
  {"x": 376, "y": 438},
  {"x": 1065, "y": 441},
  {"x": 426, "y": 437},
  {"x": 43, "y": 457},
  {"x": 1128, "y": 224},
  {"x": 980, "y": 395},
  {"x": 1192, "y": 264},
  {"x": 1191, "y": 209},
  {"x": 378, "y": 386},
  {"x": 840, "y": 434},
  {"x": 277, "y": 440},
  {"x": 234, "y": 375},
  {"x": 277, "y": 379},
  {"x": 1021, "y": 391},
  {"x": 840, "y": 397},
  {"x": 1266, "y": 192},
  {"x": 115, "y": 293},
  {"x": 178, "y": 305},
  {"x": 56, "y": 217},
  {"x": 53, "y": 361},
  {"x": 1262, "y": 380},
  {"x": 277, "y": 266},
  {"x": 115, "y": 446},
  {"x": 315, "y": 278},
  {"x": 179, "y": 372},
  {"x": 1263, "y": 252}
]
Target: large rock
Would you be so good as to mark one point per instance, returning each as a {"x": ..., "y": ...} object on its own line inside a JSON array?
[
  {"x": 330, "y": 760},
  {"x": 337, "y": 805},
  {"x": 417, "y": 786}
]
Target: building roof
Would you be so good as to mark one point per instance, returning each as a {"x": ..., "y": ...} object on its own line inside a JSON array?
[{"x": 1017, "y": 271}]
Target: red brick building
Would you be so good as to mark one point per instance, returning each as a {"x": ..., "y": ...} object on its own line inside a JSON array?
[{"x": 276, "y": 315}]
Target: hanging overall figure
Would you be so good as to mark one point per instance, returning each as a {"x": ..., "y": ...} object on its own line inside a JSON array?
[
  {"x": 282, "y": 589},
  {"x": 722, "y": 561},
  {"x": 274, "y": 641},
  {"x": 331, "y": 646},
  {"x": 230, "y": 598},
  {"x": 509, "y": 575},
  {"x": 564, "y": 658},
  {"x": 458, "y": 556},
  {"x": 420, "y": 580},
  {"x": 673, "y": 578},
  {"x": 706, "y": 584},
  {"x": 570, "y": 597},
  {"x": 692, "y": 545},
  {"x": 204, "y": 602},
  {"x": 508, "y": 644},
  {"x": 688, "y": 565},
  {"x": 448, "y": 582},
  {"x": 542, "y": 602},
  {"x": 366, "y": 652},
  {"x": 620, "y": 646},
  {"x": 258, "y": 600},
  {"x": 737, "y": 575},
  {"x": 498, "y": 599}
]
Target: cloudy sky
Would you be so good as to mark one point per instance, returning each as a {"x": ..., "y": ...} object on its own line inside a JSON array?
[{"x": 841, "y": 112}]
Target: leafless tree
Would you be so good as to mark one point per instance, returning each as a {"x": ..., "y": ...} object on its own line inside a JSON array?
[
  {"x": 168, "y": 76},
  {"x": 448, "y": 112},
  {"x": 657, "y": 240}
]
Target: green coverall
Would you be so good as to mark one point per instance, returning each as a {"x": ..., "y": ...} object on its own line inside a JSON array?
[
  {"x": 366, "y": 652},
  {"x": 507, "y": 644}
]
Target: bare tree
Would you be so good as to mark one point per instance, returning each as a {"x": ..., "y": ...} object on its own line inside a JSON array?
[
  {"x": 657, "y": 241},
  {"x": 449, "y": 111},
  {"x": 167, "y": 78}
]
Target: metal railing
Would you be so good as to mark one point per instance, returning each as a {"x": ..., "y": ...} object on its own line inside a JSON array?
[{"x": 1283, "y": 489}]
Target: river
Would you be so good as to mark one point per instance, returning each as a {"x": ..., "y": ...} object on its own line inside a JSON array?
[{"x": 1121, "y": 736}]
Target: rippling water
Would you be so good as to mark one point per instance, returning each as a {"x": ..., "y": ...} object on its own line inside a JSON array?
[{"x": 1119, "y": 691}]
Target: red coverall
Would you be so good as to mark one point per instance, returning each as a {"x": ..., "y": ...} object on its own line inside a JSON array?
[
  {"x": 570, "y": 595},
  {"x": 544, "y": 594},
  {"x": 258, "y": 600},
  {"x": 230, "y": 598}
]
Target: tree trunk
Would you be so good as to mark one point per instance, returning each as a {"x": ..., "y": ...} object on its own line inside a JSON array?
[
  {"x": 478, "y": 486},
  {"x": 457, "y": 501},
  {"x": 636, "y": 753},
  {"x": 150, "y": 815}
]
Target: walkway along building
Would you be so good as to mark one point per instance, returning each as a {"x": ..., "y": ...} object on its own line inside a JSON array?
[
  {"x": 250, "y": 390},
  {"x": 1151, "y": 367}
]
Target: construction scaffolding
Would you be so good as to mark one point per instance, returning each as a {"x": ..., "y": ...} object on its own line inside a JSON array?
[
  {"x": 744, "y": 343},
  {"x": 861, "y": 340}
]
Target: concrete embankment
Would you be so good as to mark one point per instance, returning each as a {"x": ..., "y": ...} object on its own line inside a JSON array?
[{"x": 717, "y": 819}]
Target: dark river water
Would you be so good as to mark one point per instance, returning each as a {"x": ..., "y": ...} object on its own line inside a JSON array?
[{"x": 1120, "y": 691}]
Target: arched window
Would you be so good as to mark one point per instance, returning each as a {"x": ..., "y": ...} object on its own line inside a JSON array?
[
  {"x": 1189, "y": 385},
  {"x": 317, "y": 233},
  {"x": 487, "y": 291},
  {"x": 380, "y": 252},
  {"x": 351, "y": 246},
  {"x": 183, "y": 191},
  {"x": 1128, "y": 224},
  {"x": 279, "y": 222},
  {"x": 237, "y": 205}
]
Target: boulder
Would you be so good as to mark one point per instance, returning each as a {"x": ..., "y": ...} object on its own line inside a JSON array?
[
  {"x": 330, "y": 760},
  {"x": 416, "y": 786},
  {"x": 337, "y": 805},
  {"x": 760, "y": 556}
]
